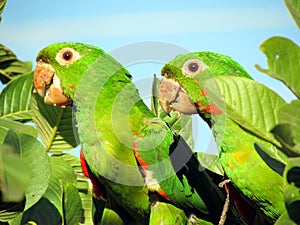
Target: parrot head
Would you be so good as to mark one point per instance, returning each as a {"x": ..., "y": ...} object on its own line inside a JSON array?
[
  {"x": 181, "y": 87},
  {"x": 58, "y": 70}
]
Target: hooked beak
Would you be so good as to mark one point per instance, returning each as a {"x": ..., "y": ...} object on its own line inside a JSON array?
[
  {"x": 47, "y": 85},
  {"x": 172, "y": 96}
]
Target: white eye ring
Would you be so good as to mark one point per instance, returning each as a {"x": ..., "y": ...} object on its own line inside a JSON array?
[
  {"x": 67, "y": 56},
  {"x": 193, "y": 67}
]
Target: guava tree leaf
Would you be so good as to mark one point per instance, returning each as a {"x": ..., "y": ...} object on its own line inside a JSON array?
[
  {"x": 15, "y": 98},
  {"x": 283, "y": 61},
  {"x": 248, "y": 103},
  {"x": 181, "y": 124},
  {"x": 284, "y": 219},
  {"x": 10, "y": 210},
  {"x": 10, "y": 65},
  {"x": 43, "y": 212},
  {"x": 33, "y": 154},
  {"x": 54, "y": 125},
  {"x": 18, "y": 127},
  {"x": 273, "y": 158},
  {"x": 294, "y": 8},
  {"x": 171, "y": 214},
  {"x": 62, "y": 191},
  {"x": 288, "y": 131},
  {"x": 2, "y": 6},
  {"x": 292, "y": 189},
  {"x": 211, "y": 162},
  {"x": 14, "y": 175},
  {"x": 84, "y": 188}
]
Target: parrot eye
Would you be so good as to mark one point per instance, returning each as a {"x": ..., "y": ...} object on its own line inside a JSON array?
[
  {"x": 67, "y": 56},
  {"x": 193, "y": 67}
]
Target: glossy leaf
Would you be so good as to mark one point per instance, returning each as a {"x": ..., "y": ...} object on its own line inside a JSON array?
[
  {"x": 283, "y": 61},
  {"x": 32, "y": 152},
  {"x": 18, "y": 127},
  {"x": 292, "y": 189},
  {"x": 250, "y": 104},
  {"x": 62, "y": 192},
  {"x": 14, "y": 175},
  {"x": 171, "y": 214},
  {"x": 294, "y": 8},
  {"x": 2, "y": 6},
  {"x": 85, "y": 190},
  {"x": 43, "y": 212},
  {"x": 54, "y": 125},
  {"x": 15, "y": 98},
  {"x": 288, "y": 130},
  {"x": 211, "y": 162},
  {"x": 284, "y": 219},
  {"x": 10, "y": 65}
]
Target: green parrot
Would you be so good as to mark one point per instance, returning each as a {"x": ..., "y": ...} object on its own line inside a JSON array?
[
  {"x": 133, "y": 155},
  {"x": 181, "y": 89}
]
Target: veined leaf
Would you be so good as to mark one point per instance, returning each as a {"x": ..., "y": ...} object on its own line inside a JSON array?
[
  {"x": 283, "y": 61},
  {"x": 288, "y": 130},
  {"x": 43, "y": 212},
  {"x": 18, "y": 127},
  {"x": 62, "y": 190},
  {"x": 2, "y": 5},
  {"x": 14, "y": 175},
  {"x": 10, "y": 65},
  {"x": 250, "y": 104},
  {"x": 171, "y": 214},
  {"x": 210, "y": 162},
  {"x": 294, "y": 8},
  {"x": 284, "y": 219},
  {"x": 15, "y": 98},
  {"x": 85, "y": 191},
  {"x": 292, "y": 189},
  {"x": 54, "y": 125},
  {"x": 33, "y": 154}
]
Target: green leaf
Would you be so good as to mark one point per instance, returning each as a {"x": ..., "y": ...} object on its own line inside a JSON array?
[
  {"x": 33, "y": 154},
  {"x": 10, "y": 65},
  {"x": 292, "y": 189},
  {"x": 294, "y": 8},
  {"x": 283, "y": 61},
  {"x": 211, "y": 162},
  {"x": 62, "y": 190},
  {"x": 14, "y": 175},
  {"x": 273, "y": 158},
  {"x": 284, "y": 219},
  {"x": 15, "y": 98},
  {"x": 171, "y": 214},
  {"x": 2, "y": 6},
  {"x": 54, "y": 125},
  {"x": 43, "y": 212},
  {"x": 18, "y": 127},
  {"x": 85, "y": 190},
  {"x": 10, "y": 210},
  {"x": 288, "y": 130},
  {"x": 248, "y": 103},
  {"x": 111, "y": 217}
]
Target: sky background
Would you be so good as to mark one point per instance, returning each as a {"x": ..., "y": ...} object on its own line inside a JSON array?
[{"x": 143, "y": 35}]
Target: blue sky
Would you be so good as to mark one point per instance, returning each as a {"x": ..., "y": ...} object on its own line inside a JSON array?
[{"x": 232, "y": 27}]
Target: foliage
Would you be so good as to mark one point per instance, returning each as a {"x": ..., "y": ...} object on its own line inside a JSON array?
[{"x": 41, "y": 183}]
